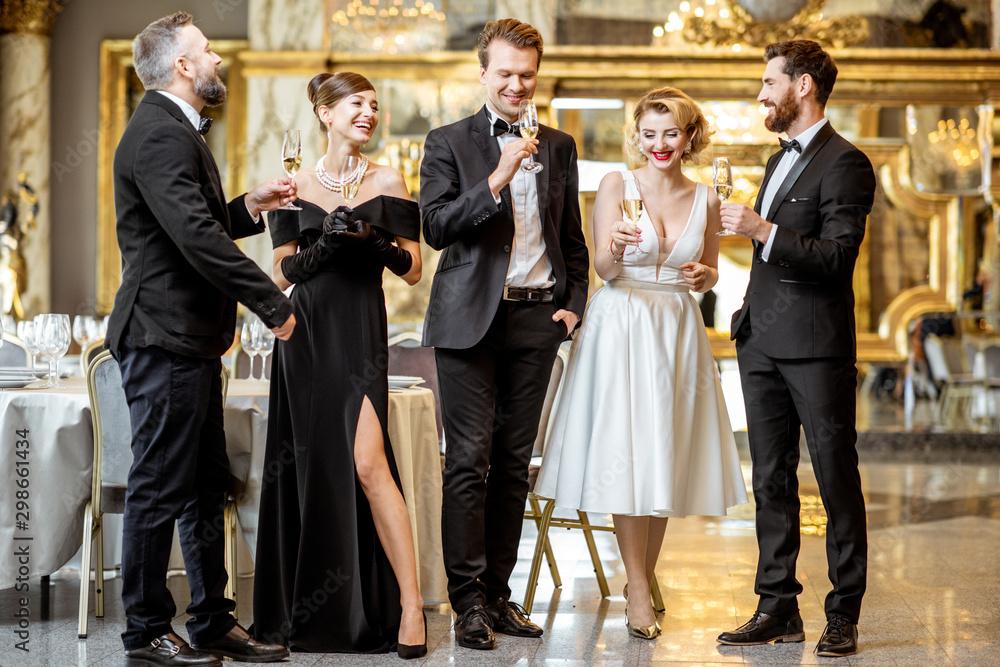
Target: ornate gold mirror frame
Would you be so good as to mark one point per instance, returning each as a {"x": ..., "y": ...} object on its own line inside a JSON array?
[
  {"x": 869, "y": 78},
  {"x": 119, "y": 91}
]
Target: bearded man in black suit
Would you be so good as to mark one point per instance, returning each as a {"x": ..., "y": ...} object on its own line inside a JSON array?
[
  {"x": 796, "y": 345},
  {"x": 174, "y": 316},
  {"x": 510, "y": 287}
]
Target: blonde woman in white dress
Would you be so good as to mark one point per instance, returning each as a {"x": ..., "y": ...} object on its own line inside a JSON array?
[{"x": 641, "y": 430}]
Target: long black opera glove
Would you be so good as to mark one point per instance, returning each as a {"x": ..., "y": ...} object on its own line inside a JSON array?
[
  {"x": 300, "y": 266},
  {"x": 359, "y": 232}
]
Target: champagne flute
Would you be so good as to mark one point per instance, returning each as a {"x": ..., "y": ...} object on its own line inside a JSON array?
[
  {"x": 632, "y": 208},
  {"x": 265, "y": 344},
  {"x": 722, "y": 179},
  {"x": 527, "y": 114},
  {"x": 291, "y": 160},
  {"x": 349, "y": 188},
  {"x": 249, "y": 347}
]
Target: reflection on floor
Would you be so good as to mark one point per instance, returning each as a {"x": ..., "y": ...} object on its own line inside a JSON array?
[{"x": 933, "y": 594}]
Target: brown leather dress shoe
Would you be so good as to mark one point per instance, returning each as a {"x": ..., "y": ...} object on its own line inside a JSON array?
[
  {"x": 170, "y": 650},
  {"x": 764, "y": 629},
  {"x": 839, "y": 638},
  {"x": 239, "y": 645},
  {"x": 511, "y": 619}
]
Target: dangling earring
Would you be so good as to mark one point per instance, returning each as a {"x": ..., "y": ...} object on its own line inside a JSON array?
[{"x": 687, "y": 150}]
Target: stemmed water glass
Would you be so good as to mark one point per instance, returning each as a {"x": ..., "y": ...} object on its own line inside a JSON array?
[
  {"x": 722, "y": 179},
  {"x": 265, "y": 345},
  {"x": 632, "y": 208},
  {"x": 291, "y": 160},
  {"x": 28, "y": 335},
  {"x": 527, "y": 114},
  {"x": 85, "y": 332},
  {"x": 53, "y": 338},
  {"x": 249, "y": 342}
]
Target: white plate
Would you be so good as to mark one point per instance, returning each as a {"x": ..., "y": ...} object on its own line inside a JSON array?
[
  {"x": 10, "y": 383},
  {"x": 404, "y": 381}
]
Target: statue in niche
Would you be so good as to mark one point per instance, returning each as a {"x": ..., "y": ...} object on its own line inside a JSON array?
[{"x": 13, "y": 270}]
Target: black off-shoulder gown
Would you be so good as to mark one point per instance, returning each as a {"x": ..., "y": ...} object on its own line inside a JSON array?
[{"x": 322, "y": 580}]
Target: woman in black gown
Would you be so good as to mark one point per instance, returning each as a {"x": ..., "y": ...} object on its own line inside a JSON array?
[{"x": 335, "y": 566}]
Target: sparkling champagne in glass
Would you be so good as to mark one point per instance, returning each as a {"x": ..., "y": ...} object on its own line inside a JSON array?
[
  {"x": 632, "y": 206},
  {"x": 528, "y": 122},
  {"x": 291, "y": 159},
  {"x": 722, "y": 179},
  {"x": 350, "y": 186}
]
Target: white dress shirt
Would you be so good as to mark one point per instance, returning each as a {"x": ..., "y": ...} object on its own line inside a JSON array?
[
  {"x": 529, "y": 264},
  {"x": 784, "y": 166}
]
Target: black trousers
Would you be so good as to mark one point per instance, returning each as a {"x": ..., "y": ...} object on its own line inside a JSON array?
[
  {"x": 491, "y": 401},
  {"x": 180, "y": 472},
  {"x": 820, "y": 395}
]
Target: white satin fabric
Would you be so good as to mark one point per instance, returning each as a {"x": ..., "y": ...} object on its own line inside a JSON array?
[{"x": 641, "y": 427}]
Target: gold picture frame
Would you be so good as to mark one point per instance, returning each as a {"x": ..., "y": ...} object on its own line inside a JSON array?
[{"x": 120, "y": 91}]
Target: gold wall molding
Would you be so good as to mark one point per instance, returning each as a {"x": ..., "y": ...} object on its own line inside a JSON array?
[
  {"x": 35, "y": 17},
  {"x": 116, "y": 74}
]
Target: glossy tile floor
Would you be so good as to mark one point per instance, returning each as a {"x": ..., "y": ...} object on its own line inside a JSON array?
[{"x": 933, "y": 595}]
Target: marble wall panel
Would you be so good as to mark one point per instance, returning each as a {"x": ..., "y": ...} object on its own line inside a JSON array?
[
  {"x": 287, "y": 25},
  {"x": 25, "y": 147}
]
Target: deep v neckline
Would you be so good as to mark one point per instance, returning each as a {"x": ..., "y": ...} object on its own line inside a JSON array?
[{"x": 684, "y": 231}]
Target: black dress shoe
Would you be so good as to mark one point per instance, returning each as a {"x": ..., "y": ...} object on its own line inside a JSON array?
[
  {"x": 839, "y": 638},
  {"x": 239, "y": 645},
  {"x": 473, "y": 630},
  {"x": 511, "y": 619},
  {"x": 764, "y": 629},
  {"x": 171, "y": 650}
]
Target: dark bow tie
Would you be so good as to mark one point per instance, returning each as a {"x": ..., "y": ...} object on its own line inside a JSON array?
[
  {"x": 792, "y": 145},
  {"x": 204, "y": 125},
  {"x": 500, "y": 126}
]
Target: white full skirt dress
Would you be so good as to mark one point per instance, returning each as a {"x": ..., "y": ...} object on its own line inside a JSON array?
[{"x": 641, "y": 426}]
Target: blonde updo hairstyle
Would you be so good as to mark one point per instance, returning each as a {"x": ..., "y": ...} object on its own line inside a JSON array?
[
  {"x": 687, "y": 114},
  {"x": 326, "y": 89}
]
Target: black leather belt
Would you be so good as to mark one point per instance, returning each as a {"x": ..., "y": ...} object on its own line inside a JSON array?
[{"x": 531, "y": 294}]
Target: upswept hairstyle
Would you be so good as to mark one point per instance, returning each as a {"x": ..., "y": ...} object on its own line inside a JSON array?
[
  {"x": 154, "y": 50},
  {"x": 687, "y": 114},
  {"x": 803, "y": 56},
  {"x": 520, "y": 34},
  {"x": 326, "y": 89}
]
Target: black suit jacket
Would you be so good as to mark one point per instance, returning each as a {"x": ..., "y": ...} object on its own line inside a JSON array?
[
  {"x": 460, "y": 216},
  {"x": 800, "y": 302},
  {"x": 181, "y": 272}
]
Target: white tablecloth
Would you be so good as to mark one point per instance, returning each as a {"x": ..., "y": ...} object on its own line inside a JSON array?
[{"x": 60, "y": 459}]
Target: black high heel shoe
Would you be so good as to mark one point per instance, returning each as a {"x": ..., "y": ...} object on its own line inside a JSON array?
[{"x": 408, "y": 652}]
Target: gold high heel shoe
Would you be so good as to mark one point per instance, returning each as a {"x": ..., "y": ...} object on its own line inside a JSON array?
[{"x": 642, "y": 631}]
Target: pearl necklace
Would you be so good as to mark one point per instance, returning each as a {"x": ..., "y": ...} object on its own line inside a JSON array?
[{"x": 336, "y": 185}]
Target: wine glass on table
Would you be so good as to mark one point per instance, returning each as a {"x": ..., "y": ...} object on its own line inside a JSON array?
[
  {"x": 527, "y": 114},
  {"x": 30, "y": 337},
  {"x": 291, "y": 160},
  {"x": 722, "y": 179},
  {"x": 249, "y": 346},
  {"x": 265, "y": 345},
  {"x": 54, "y": 336},
  {"x": 632, "y": 208},
  {"x": 84, "y": 334}
]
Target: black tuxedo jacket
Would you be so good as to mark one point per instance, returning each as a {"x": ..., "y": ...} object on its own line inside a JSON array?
[
  {"x": 800, "y": 302},
  {"x": 181, "y": 272},
  {"x": 460, "y": 216}
]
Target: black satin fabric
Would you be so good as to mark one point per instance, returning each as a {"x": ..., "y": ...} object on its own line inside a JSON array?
[{"x": 322, "y": 580}]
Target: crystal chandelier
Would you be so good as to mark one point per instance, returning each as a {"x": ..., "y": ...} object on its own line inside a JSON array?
[{"x": 388, "y": 26}]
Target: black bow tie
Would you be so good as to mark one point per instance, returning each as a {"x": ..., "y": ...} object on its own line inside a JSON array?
[
  {"x": 500, "y": 126},
  {"x": 792, "y": 145},
  {"x": 204, "y": 125}
]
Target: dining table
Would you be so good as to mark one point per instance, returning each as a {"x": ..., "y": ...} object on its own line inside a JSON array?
[{"x": 46, "y": 454}]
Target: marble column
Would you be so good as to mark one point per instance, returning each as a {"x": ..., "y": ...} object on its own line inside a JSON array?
[
  {"x": 278, "y": 103},
  {"x": 25, "y": 34},
  {"x": 539, "y": 13}
]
